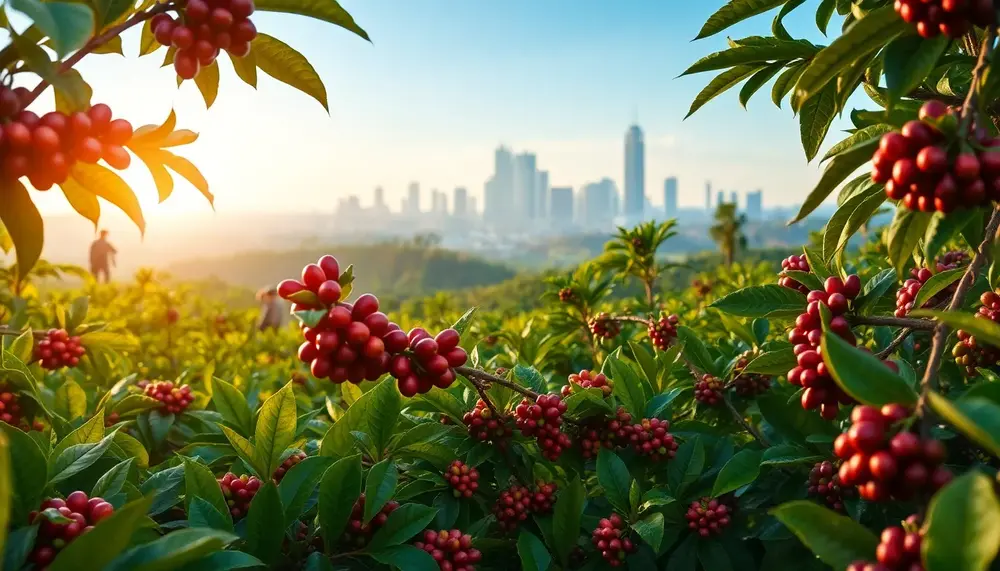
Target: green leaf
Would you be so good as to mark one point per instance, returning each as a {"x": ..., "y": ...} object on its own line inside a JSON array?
[
  {"x": 173, "y": 550},
  {"x": 720, "y": 84},
  {"x": 909, "y": 60},
  {"x": 614, "y": 478},
  {"x": 109, "y": 11},
  {"x": 201, "y": 483},
  {"x": 859, "y": 137},
  {"x": 23, "y": 224},
  {"x": 787, "y": 455},
  {"x": 76, "y": 458},
  {"x": 841, "y": 227},
  {"x": 70, "y": 400},
  {"x": 68, "y": 25},
  {"x": 650, "y": 529},
  {"x": 224, "y": 561},
  {"x": 94, "y": 551},
  {"x": 986, "y": 332},
  {"x": 232, "y": 405},
  {"x": 906, "y": 230},
  {"x": 19, "y": 544},
  {"x": 862, "y": 375},
  {"x": 28, "y": 470},
  {"x": 275, "y": 429},
  {"x": 379, "y": 487},
  {"x": 534, "y": 556},
  {"x": 861, "y": 38},
  {"x": 943, "y": 228},
  {"x": 824, "y": 13},
  {"x": 762, "y": 301},
  {"x": 976, "y": 417},
  {"x": 111, "y": 482},
  {"x": 406, "y": 557},
  {"x": 874, "y": 289},
  {"x": 207, "y": 81},
  {"x": 463, "y": 322},
  {"x": 71, "y": 91},
  {"x": 785, "y": 82},
  {"x": 936, "y": 284},
  {"x": 817, "y": 265},
  {"x": 765, "y": 53},
  {"x": 300, "y": 483},
  {"x": 23, "y": 346},
  {"x": 381, "y": 404},
  {"x": 165, "y": 486},
  {"x": 695, "y": 351},
  {"x": 837, "y": 540},
  {"x": 740, "y": 470},
  {"x": 403, "y": 524},
  {"x": 339, "y": 488},
  {"x": 777, "y": 26},
  {"x": 265, "y": 531},
  {"x": 242, "y": 446},
  {"x": 566, "y": 518},
  {"x": 841, "y": 167},
  {"x": 773, "y": 362},
  {"x": 77, "y": 312},
  {"x": 288, "y": 66},
  {"x": 107, "y": 185},
  {"x": 326, "y": 10},
  {"x": 758, "y": 80},
  {"x": 963, "y": 525},
  {"x": 792, "y": 421},
  {"x": 246, "y": 68},
  {"x": 7, "y": 488},
  {"x": 632, "y": 391},
  {"x": 815, "y": 117},
  {"x": 686, "y": 466},
  {"x": 734, "y": 12}
]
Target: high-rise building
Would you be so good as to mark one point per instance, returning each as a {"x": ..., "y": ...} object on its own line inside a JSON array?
[
  {"x": 561, "y": 206},
  {"x": 439, "y": 203},
  {"x": 525, "y": 183},
  {"x": 598, "y": 205},
  {"x": 732, "y": 198},
  {"x": 708, "y": 196},
  {"x": 459, "y": 204},
  {"x": 635, "y": 174},
  {"x": 670, "y": 197},
  {"x": 413, "y": 198},
  {"x": 720, "y": 198},
  {"x": 473, "y": 208},
  {"x": 755, "y": 205},
  {"x": 542, "y": 191},
  {"x": 379, "y": 198},
  {"x": 499, "y": 190}
]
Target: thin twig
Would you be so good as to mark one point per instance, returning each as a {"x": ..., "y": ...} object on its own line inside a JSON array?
[
  {"x": 908, "y": 322},
  {"x": 903, "y": 334},
  {"x": 732, "y": 409},
  {"x": 630, "y": 319},
  {"x": 98, "y": 41},
  {"x": 11, "y": 332},
  {"x": 475, "y": 375}
]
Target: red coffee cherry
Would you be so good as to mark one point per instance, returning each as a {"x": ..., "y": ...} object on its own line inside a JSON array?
[
  {"x": 898, "y": 549},
  {"x": 239, "y": 492},
  {"x": 175, "y": 399},
  {"x": 970, "y": 353},
  {"x": 825, "y": 486},
  {"x": 708, "y": 390},
  {"x": 58, "y": 349},
  {"x": 463, "y": 479},
  {"x": 542, "y": 420},
  {"x": 611, "y": 538},
  {"x": 512, "y": 507},
  {"x": 749, "y": 385},
  {"x": 483, "y": 426},
  {"x": 650, "y": 438},
  {"x": 604, "y": 327},
  {"x": 82, "y": 511},
  {"x": 358, "y": 533},
  {"x": 952, "y": 18},
  {"x": 908, "y": 293},
  {"x": 793, "y": 263},
  {"x": 663, "y": 331},
  {"x": 708, "y": 516},
  {"x": 287, "y": 464},
  {"x": 607, "y": 432},
  {"x": 451, "y": 549},
  {"x": 588, "y": 380},
  {"x": 566, "y": 295}
]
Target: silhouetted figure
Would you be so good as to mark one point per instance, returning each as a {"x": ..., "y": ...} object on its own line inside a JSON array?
[
  {"x": 271, "y": 310},
  {"x": 102, "y": 257}
]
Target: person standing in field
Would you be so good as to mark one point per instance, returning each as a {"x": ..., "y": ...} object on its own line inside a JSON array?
[
  {"x": 102, "y": 257},
  {"x": 271, "y": 310}
]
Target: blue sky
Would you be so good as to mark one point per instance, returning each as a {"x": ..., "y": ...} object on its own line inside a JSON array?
[{"x": 444, "y": 81}]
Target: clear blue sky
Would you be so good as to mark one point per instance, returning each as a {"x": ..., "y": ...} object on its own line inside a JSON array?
[{"x": 444, "y": 81}]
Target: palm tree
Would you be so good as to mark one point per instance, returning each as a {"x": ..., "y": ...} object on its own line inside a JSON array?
[
  {"x": 728, "y": 231},
  {"x": 632, "y": 253}
]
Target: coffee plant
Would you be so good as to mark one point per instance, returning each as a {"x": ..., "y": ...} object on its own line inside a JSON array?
[{"x": 835, "y": 409}]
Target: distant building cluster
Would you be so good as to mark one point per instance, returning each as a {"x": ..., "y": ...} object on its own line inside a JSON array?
[{"x": 518, "y": 197}]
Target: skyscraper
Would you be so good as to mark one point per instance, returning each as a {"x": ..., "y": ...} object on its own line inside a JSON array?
[
  {"x": 635, "y": 174},
  {"x": 542, "y": 191},
  {"x": 755, "y": 205},
  {"x": 597, "y": 208},
  {"x": 379, "y": 198},
  {"x": 732, "y": 198},
  {"x": 459, "y": 203},
  {"x": 720, "y": 198},
  {"x": 561, "y": 207},
  {"x": 525, "y": 183},
  {"x": 708, "y": 196},
  {"x": 413, "y": 198},
  {"x": 670, "y": 197},
  {"x": 499, "y": 190}
]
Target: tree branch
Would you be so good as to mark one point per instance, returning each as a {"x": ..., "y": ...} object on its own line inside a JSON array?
[
  {"x": 630, "y": 319},
  {"x": 732, "y": 409},
  {"x": 475, "y": 375},
  {"x": 903, "y": 334},
  {"x": 908, "y": 322},
  {"x": 11, "y": 332}
]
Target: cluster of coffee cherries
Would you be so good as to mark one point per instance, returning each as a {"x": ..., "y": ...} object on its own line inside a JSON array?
[
  {"x": 884, "y": 465},
  {"x": 916, "y": 167},
  {"x": 542, "y": 420},
  {"x": 516, "y": 503},
  {"x": 824, "y": 485},
  {"x": 451, "y": 549},
  {"x": 463, "y": 479},
  {"x": 793, "y": 263},
  {"x": 708, "y": 390},
  {"x": 701, "y": 287},
  {"x": 429, "y": 362},
  {"x": 566, "y": 295},
  {"x": 611, "y": 538},
  {"x": 748, "y": 385},
  {"x": 586, "y": 379},
  {"x": 290, "y": 462},
  {"x": 45, "y": 148},
  {"x": 708, "y": 516},
  {"x": 970, "y": 353},
  {"x": 603, "y": 432},
  {"x": 204, "y": 28},
  {"x": 10, "y": 406},
  {"x": 820, "y": 390},
  {"x": 603, "y": 326},
  {"x": 359, "y": 533},
  {"x": 483, "y": 426},
  {"x": 175, "y": 398},
  {"x": 239, "y": 492},
  {"x": 59, "y": 349},
  {"x": 952, "y": 18},
  {"x": 918, "y": 276},
  {"x": 82, "y": 511},
  {"x": 898, "y": 549},
  {"x": 111, "y": 419},
  {"x": 651, "y": 438},
  {"x": 663, "y": 331}
]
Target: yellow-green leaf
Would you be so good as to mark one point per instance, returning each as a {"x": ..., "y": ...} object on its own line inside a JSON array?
[
  {"x": 282, "y": 62},
  {"x": 109, "y": 186},
  {"x": 186, "y": 169},
  {"x": 326, "y": 10},
  {"x": 246, "y": 68},
  {"x": 82, "y": 200},
  {"x": 23, "y": 222},
  {"x": 161, "y": 178},
  {"x": 207, "y": 81},
  {"x": 275, "y": 429}
]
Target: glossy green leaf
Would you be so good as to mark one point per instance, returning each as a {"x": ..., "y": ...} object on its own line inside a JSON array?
[
  {"x": 650, "y": 529},
  {"x": 686, "y": 466},
  {"x": 909, "y": 60},
  {"x": 95, "y": 550},
  {"x": 406, "y": 557},
  {"x": 339, "y": 488},
  {"x": 720, "y": 84},
  {"x": 28, "y": 470},
  {"x": 207, "y": 81},
  {"x": 566, "y": 518},
  {"x": 111, "y": 482},
  {"x": 773, "y": 362},
  {"x": 76, "y": 458},
  {"x": 976, "y": 417},
  {"x": 836, "y": 539},
  {"x": 379, "y": 487},
  {"x": 6, "y": 488},
  {"x": 734, "y": 12},
  {"x": 824, "y": 13},
  {"x": 785, "y": 82},
  {"x": 246, "y": 68},
  {"x": 299, "y": 484},
  {"x": 632, "y": 391},
  {"x": 283, "y": 63},
  {"x": 758, "y": 80},
  {"x": 70, "y": 400},
  {"x": 23, "y": 224},
  {"x": 275, "y": 429},
  {"x": 265, "y": 527},
  {"x": 614, "y": 478},
  {"x": 326, "y": 10},
  {"x": 862, "y": 375},
  {"x": 740, "y": 470},
  {"x": 963, "y": 525},
  {"x": 165, "y": 486},
  {"x": 404, "y": 523},
  {"x": 244, "y": 449},
  {"x": 385, "y": 397},
  {"x": 695, "y": 351},
  {"x": 859, "y": 137},
  {"x": 815, "y": 117},
  {"x": 836, "y": 225},
  {"x": 762, "y": 301},
  {"x": 531, "y": 550},
  {"x": 905, "y": 232},
  {"x": 936, "y": 284},
  {"x": 68, "y": 25},
  {"x": 173, "y": 550},
  {"x": 836, "y": 171},
  {"x": 986, "y": 332},
  {"x": 776, "y": 50},
  {"x": 200, "y": 482},
  {"x": 942, "y": 228},
  {"x": 224, "y": 561},
  {"x": 232, "y": 405}
]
